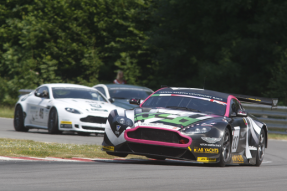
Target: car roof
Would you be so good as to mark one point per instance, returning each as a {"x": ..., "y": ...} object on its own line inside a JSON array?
[
  {"x": 66, "y": 85},
  {"x": 126, "y": 86},
  {"x": 194, "y": 92}
]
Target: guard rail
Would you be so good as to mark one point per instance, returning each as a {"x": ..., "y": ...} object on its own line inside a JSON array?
[{"x": 275, "y": 118}]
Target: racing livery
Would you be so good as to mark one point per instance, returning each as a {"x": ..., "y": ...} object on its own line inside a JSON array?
[
  {"x": 189, "y": 124},
  {"x": 63, "y": 107}
]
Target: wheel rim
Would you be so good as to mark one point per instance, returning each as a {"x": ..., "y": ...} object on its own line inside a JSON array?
[
  {"x": 261, "y": 147},
  {"x": 226, "y": 146}
]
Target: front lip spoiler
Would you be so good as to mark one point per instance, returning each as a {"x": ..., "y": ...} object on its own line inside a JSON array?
[{"x": 142, "y": 141}]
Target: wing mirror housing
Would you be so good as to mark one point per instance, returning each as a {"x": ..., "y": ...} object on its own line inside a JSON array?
[
  {"x": 134, "y": 101},
  {"x": 37, "y": 94},
  {"x": 241, "y": 113},
  {"x": 112, "y": 100}
]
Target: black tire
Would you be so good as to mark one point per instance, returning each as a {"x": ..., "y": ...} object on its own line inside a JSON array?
[
  {"x": 225, "y": 154},
  {"x": 260, "y": 148},
  {"x": 53, "y": 127},
  {"x": 19, "y": 119}
]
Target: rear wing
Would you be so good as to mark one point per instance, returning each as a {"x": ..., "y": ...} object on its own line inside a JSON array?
[{"x": 259, "y": 100}]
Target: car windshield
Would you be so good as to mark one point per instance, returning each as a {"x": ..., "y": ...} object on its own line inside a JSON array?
[
  {"x": 128, "y": 93},
  {"x": 77, "y": 93},
  {"x": 186, "y": 103}
]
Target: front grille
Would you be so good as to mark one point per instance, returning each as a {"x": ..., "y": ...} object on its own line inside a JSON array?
[
  {"x": 93, "y": 119},
  {"x": 156, "y": 150},
  {"x": 157, "y": 135},
  {"x": 93, "y": 128}
]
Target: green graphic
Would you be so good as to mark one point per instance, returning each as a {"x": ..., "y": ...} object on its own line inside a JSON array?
[
  {"x": 144, "y": 116},
  {"x": 184, "y": 121}
]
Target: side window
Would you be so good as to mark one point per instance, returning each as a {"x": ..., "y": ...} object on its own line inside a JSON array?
[
  {"x": 234, "y": 106},
  {"x": 101, "y": 90},
  {"x": 43, "y": 91}
]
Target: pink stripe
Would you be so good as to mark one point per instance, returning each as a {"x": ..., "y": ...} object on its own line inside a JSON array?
[
  {"x": 157, "y": 142},
  {"x": 81, "y": 159},
  {"x": 27, "y": 158},
  {"x": 228, "y": 104},
  {"x": 151, "y": 95}
]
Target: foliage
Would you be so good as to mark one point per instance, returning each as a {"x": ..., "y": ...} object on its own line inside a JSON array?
[{"x": 230, "y": 46}]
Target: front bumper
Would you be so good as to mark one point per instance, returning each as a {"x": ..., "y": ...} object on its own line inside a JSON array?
[
  {"x": 195, "y": 149},
  {"x": 83, "y": 123}
]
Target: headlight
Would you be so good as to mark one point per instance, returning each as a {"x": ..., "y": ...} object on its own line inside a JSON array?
[
  {"x": 198, "y": 130},
  {"x": 72, "y": 110},
  {"x": 125, "y": 121}
]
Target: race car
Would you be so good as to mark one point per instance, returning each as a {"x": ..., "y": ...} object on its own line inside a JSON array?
[
  {"x": 189, "y": 124},
  {"x": 120, "y": 94},
  {"x": 63, "y": 107}
]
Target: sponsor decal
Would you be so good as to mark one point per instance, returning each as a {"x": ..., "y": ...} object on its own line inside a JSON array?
[
  {"x": 235, "y": 140},
  {"x": 66, "y": 122},
  {"x": 206, "y": 150},
  {"x": 253, "y": 99},
  {"x": 237, "y": 159},
  {"x": 189, "y": 148},
  {"x": 209, "y": 145},
  {"x": 205, "y": 159},
  {"x": 211, "y": 139},
  {"x": 108, "y": 148},
  {"x": 205, "y": 124},
  {"x": 245, "y": 121}
]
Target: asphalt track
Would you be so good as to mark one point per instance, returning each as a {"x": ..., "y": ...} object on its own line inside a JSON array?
[{"x": 136, "y": 175}]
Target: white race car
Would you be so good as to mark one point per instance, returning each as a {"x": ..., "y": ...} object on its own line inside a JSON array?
[{"x": 63, "y": 107}]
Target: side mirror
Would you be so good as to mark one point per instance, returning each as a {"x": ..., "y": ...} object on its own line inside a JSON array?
[
  {"x": 241, "y": 113},
  {"x": 112, "y": 100},
  {"x": 134, "y": 101},
  {"x": 37, "y": 94}
]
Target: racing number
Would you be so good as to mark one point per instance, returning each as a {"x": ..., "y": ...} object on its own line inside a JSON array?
[{"x": 235, "y": 139}]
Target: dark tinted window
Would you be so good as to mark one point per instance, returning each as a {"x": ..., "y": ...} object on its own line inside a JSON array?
[
  {"x": 190, "y": 103},
  {"x": 77, "y": 93},
  {"x": 128, "y": 93},
  {"x": 42, "y": 89},
  {"x": 102, "y": 90},
  {"x": 234, "y": 106}
]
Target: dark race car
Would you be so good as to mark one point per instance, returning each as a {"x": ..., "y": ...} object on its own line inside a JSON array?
[{"x": 189, "y": 124}]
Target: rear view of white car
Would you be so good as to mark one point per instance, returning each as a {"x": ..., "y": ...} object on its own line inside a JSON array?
[{"x": 63, "y": 107}]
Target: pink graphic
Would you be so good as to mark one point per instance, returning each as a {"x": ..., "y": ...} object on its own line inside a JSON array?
[{"x": 157, "y": 142}]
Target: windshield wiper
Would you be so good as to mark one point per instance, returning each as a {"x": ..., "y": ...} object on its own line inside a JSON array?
[{"x": 183, "y": 108}]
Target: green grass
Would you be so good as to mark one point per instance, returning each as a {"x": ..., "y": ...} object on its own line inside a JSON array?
[
  {"x": 17, "y": 147},
  {"x": 7, "y": 112},
  {"x": 277, "y": 136}
]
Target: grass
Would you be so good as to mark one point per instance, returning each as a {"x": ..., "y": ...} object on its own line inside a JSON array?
[
  {"x": 277, "y": 136},
  {"x": 7, "y": 112},
  {"x": 17, "y": 147}
]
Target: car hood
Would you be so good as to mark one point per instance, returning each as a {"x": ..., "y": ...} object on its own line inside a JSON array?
[
  {"x": 168, "y": 118},
  {"x": 85, "y": 105},
  {"x": 124, "y": 103}
]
